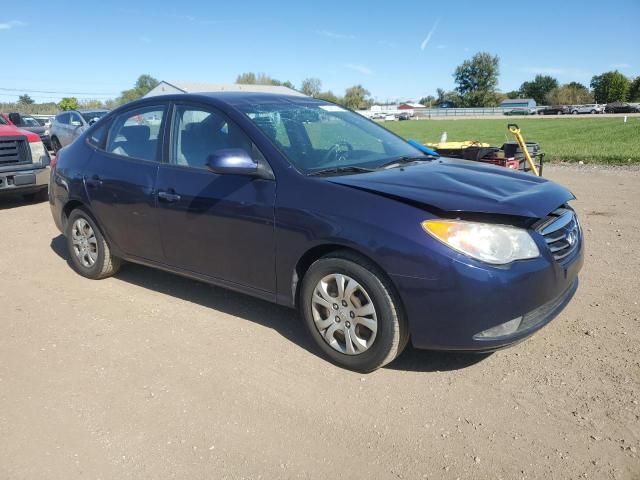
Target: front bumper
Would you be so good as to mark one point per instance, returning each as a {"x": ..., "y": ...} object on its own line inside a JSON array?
[
  {"x": 24, "y": 181},
  {"x": 446, "y": 311}
]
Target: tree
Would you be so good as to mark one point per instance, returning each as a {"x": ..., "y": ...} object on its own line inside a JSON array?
[
  {"x": 428, "y": 101},
  {"x": 477, "y": 80},
  {"x": 143, "y": 85},
  {"x": 68, "y": 103},
  {"x": 25, "y": 100},
  {"x": 514, "y": 94},
  {"x": 356, "y": 97},
  {"x": 329, "y": 96},
  {"x": 610, "y": 87},
  {"x": 441, "y": 95},
  {"x": 634, "y": 90},
  {"x": 250, "y": 78},
  {"x": 538, "y": 88},
  {"x": 311, "y": 87},
  {"x": 573, "y": 93}
]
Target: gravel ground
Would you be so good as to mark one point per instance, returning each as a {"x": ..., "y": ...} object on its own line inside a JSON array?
[{"x": 149, "y": 375}]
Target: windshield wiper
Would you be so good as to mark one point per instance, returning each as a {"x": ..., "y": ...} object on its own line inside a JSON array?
[
  {"x": 344, "y": 169},
  {"x": 403, "y": 161}
]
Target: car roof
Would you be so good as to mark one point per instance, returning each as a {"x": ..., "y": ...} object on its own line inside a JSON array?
[{"x": 235, "y": 98}]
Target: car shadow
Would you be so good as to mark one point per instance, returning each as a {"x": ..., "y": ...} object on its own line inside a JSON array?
[
  {"x": 281, "y": 319},
  {"x": 9, "y": 201}
]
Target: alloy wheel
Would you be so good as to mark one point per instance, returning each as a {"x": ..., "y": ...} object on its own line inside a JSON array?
[
  {"x": 344, "y": 314},
  {"x": 85, "y": 244}
]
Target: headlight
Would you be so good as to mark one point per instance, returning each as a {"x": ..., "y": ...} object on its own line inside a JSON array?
[
  {"x": 39, "y": 153},
  {"x": 495, "y": 244}
]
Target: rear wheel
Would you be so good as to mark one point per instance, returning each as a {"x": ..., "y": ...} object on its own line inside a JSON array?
[
  {"x": 352, "y": 313},
  {"x": 90, "y": 254}
]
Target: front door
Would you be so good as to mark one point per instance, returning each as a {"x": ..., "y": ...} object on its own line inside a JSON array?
[
  {"x": 121, "y": 182},
  {"x": 221, "y": 226}
]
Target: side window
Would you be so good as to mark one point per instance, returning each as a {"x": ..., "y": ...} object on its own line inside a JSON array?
[
  {"x": 64, "y": 118},
  {"x": 75, "y": 120},
  {"x": 135, "y": 133},
  {"x": 199, "y": 132},
  {"x": 98, "y": 137}
]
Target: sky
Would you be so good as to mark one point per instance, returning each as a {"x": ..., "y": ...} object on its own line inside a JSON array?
[{"x": 398, "y": 50}]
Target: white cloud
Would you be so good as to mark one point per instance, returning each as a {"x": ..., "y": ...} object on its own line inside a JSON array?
[
  {"x": 339, "y": 36},
  {"x": 359, "y": 68},
  {"x": 427, "y": 39},
  {"x": 11, "y": 24},
  {"x": 620, "y": 65}
]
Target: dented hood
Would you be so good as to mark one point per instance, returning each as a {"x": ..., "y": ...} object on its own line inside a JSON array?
[{"x": 462, "y": 186}]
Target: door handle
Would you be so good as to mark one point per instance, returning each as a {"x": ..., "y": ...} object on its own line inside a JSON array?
[
  {"x": 169, "y": 197},
  {"x": 94, "y": 181}
]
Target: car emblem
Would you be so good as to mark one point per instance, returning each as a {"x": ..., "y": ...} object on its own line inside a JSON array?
[{"x": 571, "y": 238}]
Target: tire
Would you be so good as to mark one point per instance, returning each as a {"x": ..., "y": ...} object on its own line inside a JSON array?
[
  {"x": 371, "y": 348},
  {"x": 55, "y": 143},
  {"x": 560, "y": 113},
  {"x": 593, "y": 112},
  {"x": 91, "y": 258},
  {"x": 575, "y": 112}
]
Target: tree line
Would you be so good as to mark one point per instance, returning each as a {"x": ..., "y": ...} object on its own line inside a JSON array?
[{"x": 476, "y": 82}]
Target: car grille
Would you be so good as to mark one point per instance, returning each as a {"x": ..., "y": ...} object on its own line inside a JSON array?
[
  {"x": 14, "y": 151},
  {"x": 561, "y": 232}
]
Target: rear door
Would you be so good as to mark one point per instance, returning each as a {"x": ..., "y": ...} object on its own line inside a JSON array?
[
  {"x": 121, "y": 180},
  {"x": 221, "y": 226}
]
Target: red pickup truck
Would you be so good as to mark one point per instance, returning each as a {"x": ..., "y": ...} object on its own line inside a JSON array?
[{"x": 24, "y": 162}]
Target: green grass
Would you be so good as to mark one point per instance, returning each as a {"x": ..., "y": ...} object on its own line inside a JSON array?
[{"x": 591, "y": 140}]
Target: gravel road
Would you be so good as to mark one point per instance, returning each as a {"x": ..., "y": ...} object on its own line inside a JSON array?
[{"x": 149, "y": 375}]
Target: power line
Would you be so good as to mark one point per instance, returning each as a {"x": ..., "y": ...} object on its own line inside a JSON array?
[{"x": 23, "y": 90}]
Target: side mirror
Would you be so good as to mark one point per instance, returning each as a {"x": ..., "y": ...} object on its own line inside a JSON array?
[{"x": 232, "y": 161}]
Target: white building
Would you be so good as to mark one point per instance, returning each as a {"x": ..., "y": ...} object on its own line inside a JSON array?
[{"x": 165, "y": 88}]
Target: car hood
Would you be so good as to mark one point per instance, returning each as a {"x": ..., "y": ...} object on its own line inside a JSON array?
[
  {"x": 452, "y": 185},
  {"x": 12, "y": 131},
  {"x": 36, "y": 130}
]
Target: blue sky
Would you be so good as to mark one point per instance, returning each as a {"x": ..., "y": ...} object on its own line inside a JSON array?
[{"x": 396, "y": 49}]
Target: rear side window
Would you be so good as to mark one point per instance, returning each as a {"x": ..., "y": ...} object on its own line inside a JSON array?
[
  {"x": 135, "y": 133},
  {"x": 63, "y": 118}
]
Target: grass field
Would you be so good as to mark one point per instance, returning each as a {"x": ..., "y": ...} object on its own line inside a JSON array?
[{"x": 591, "y": 140}]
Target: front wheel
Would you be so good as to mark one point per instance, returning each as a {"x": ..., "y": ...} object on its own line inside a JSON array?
[
  {"x": 352, "y": 312},
  {"x": 90, "y": 254}
]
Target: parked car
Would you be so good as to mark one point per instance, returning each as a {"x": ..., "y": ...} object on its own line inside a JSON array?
[
  {"x": 404, "y": 116},
  {"x": 520, "y": 111},
  {"x": 69, "y": 125},
  {"x": 622, "y": 107},
  {"x": 592, "y": 108},
  {"x": 24, "y": 162},
  {"x": 27, "y": 122},
  {"x": 304, "y": 203},
  {"x": 554, "y": 110}
]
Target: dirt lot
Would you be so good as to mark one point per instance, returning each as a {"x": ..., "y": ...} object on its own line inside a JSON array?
[{"x": 149, "y": 375}]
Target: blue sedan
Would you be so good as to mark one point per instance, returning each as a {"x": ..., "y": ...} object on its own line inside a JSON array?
[{"x": 304, "y": 203}]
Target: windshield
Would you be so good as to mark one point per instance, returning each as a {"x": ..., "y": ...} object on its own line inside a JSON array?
[
  {"x": 88, "y": 116},
  {"x": 30, "y": 121},
  {"x": 315, "y": 135},
  {"x": 3, "y": 121}
]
